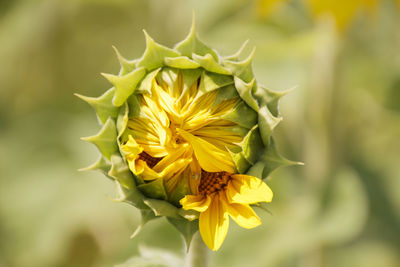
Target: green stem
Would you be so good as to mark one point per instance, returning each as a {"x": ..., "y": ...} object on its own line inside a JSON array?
[{"x": 198, "y": 255}]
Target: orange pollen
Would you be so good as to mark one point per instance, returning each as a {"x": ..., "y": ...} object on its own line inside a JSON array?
[
  {"x": 151, "y": 161},
  {"x": 212, "y": 182}
]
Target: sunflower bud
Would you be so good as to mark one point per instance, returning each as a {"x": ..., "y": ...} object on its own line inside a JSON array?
[{"x": 186, "y": 134}]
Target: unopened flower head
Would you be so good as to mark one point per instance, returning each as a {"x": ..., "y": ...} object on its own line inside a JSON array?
[{"x": 187, "y": 134}]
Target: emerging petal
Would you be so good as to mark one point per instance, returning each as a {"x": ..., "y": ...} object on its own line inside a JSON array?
[
  {"x": 210, "y": 158},
  {"x": 199, "y": 203},
  {"x": 242, "y": 214},
  {"x": 214, "y": 224},
  {"x": 246, "y": 189}
]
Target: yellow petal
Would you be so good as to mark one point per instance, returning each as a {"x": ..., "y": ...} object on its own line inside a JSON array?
[
  {"x": 211, "y": 158},
  {"x": 131, "y": 148},
  {"x": 198, "y": 203},
  {"x": 242, "y": 214},
  {"x": 214, "y": 224},
  {"x": 246, "y": 189}
]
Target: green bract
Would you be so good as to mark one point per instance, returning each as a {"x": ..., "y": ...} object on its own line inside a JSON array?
[{"x": 256, "y": 116}]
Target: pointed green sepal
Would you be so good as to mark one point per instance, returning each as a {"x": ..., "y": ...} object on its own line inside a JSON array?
[
  {"x": 181, "y": 190},
  {"x": 245, "y": 91},
  {"x": 267, "y": 122},
  {"x": 271, "y": 159},
  {"x": 189, "y": 78},
  {"x": 181, "y": 62},
  {"x": 131, "y": 196},
  {"x": 186, "y": 228},
  {"x": 126, "y": 65},
  {"x": 122, "y": 120},
  {"x": 243, "y": 115},
  {"x": 226, "y": 93},
  {"x": 120, "y": 172},
  {"x": 270, "y": 98},
  {"x": 162, "y": 208},
  {"x": 241, "y": 163},
  {"x": 124, "y": 85},
  {"x": 252, "y": 145},
  {"x": 210, "y": 81},
  {"x": 241, "y": 69},
  {"x": 102, "y": 105},
  {"x": 154, "y": 189},
  {"x": 101, "y": 164},
  {"x": 106, "y": 139},
  {"x": 147, "y": 215},
  {"x": 134, "y": 106},
  {"x": 154, "y": 54},
  {"x": 191, "y": 44},
  {"x": 237, "y": 55},
  {"x": 147, "y": 82},
  {"x": 208, "y": 63}
]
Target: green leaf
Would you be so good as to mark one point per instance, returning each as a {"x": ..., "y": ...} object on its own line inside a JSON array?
[
  {"x": 245, "y": 91},
  {"x": 124, "y": 85},
  {"x": 243, "y": 115},
  {"x": 120, "y": 172},
  {"x": 154, "y": 189},
  {"x": 181, "y": 62},
  {"x": 241, "y": 69},
  {"x": 106, "y": 139},
  {"x": 210, "y": 81},
  {"x": 252, "y": 145},
  {"x": 208, "y": 63},
  {"x": 154, "y": 54},
  {"x": 191, "y": 44},
  {"x": 102, "y": 105},
  {"x": 126, "y": 65},
  {"x": 186, "y": 228}
]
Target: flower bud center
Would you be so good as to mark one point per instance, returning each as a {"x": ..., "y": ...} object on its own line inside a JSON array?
[
  {"x": 212, "y": 182},
  {"x": 151, "y": 161}
]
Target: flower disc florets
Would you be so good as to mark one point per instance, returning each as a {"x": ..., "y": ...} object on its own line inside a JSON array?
[{"x": 187, "y": 135}]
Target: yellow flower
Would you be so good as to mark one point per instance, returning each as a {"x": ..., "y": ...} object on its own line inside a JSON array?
[
  {"x": 178, "y": 133},
  {"x": 223, "y": 195}
]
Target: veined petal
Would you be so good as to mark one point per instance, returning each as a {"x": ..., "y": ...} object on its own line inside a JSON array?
[
  {"x": 173, "y": 169},
  {"x": 242, "y": 214},
  {"x": 214, "y": 224},
  {"x": 211, "y": 158},
  {"x": 246, "y": 189},
  {"x": 198, "y": 203}
]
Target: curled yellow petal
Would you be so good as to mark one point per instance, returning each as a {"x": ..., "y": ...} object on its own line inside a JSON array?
[
  {"x": 199, "y": 203},
  {"x": 214, "y": 224},
  {"x": 210, "y": 158},
  {"x": 242, "y": 214},
  {"x": 246, "y": 189}
]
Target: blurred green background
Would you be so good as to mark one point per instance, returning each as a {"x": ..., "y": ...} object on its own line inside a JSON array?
[{"x": 343, "y": 120}]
